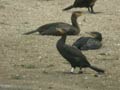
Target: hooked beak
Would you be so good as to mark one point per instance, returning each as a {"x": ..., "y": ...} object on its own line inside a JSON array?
[
  {"x": 88, "y": 33},
  {"x": 79, "y": 14},
  {"x": 91, "y": 34}
]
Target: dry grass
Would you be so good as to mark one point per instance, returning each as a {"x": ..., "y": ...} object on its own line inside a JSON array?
[{"x": 33, "y": 63}]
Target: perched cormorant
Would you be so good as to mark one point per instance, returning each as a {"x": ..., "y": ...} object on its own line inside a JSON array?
[
  {"x": 89, "y": 43},
  {"x": 73, "y": 55},
  {"x": 83, "y": 3},
  {"x": 51, "y": 29}
]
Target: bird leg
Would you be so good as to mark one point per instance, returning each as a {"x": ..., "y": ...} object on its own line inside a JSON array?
[
  {"x": 92, "y": 11},
  {"x": 80, "y": 71},
  {"x": 72, "y": 70},
  {"x": 89, "y": 9}
]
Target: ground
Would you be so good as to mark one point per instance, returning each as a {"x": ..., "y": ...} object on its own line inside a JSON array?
[{"x": 32, "y": 62}]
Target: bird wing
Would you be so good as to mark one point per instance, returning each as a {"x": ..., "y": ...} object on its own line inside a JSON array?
[
  {"x": 66, "y": 27},
  {"x": 55, "y": 26},
  {"x": 76, "y": 55},
  {"x": 78, "y": 2},
  {"x": 84, "y": 2},
  {"x": 73, "y": 51},
  {"x": 80, "y": 42},
  {"x": 93, "y": 44}
]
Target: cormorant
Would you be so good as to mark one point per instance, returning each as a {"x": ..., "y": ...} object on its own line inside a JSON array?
[
  {"x": 89, "y": 43},
  {"x": 83, "y": 3},
  {"x": 51, "y": 29},
  {"x": 73, "y": 55}
]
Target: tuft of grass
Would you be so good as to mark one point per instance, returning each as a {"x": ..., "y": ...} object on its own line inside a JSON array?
[
  {"x": 17, "y": 77},
  {"x": 28, "y": 66}
]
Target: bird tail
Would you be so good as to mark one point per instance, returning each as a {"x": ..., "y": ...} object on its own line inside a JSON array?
[
  {"x": 67, "y": 8},
  {"x": 97, "y": 69},
  {"x": 30, "y": 32}
]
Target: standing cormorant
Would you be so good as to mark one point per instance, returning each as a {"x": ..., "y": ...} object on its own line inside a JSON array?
[
  {"x": 51, "y": 29},
  {"x": 73, "y": 55},
  {"x": 89, "y": 43},
  {"x": 83, "y": 3}
]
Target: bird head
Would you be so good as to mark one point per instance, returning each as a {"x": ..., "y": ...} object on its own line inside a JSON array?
[
  {"x": 61, "y": 31},
  {"x": 96, "y": 35},
  {"x": 76, "y": 14}
]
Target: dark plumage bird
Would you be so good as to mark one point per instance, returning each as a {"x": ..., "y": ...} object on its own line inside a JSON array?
[
  {"x": 73, "y": 55},
  {"x": 51, "y": 29},
  {"x": 83, "y": 3},
  {"x": 89, "y": 43}
]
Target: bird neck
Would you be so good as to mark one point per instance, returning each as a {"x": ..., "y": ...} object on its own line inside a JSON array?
[
  {"x": 74, "y": 22},
  {"x": 61, "y": 41}
]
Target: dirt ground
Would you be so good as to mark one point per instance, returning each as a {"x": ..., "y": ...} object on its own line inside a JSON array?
[{"x": 33, "y": 63}]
